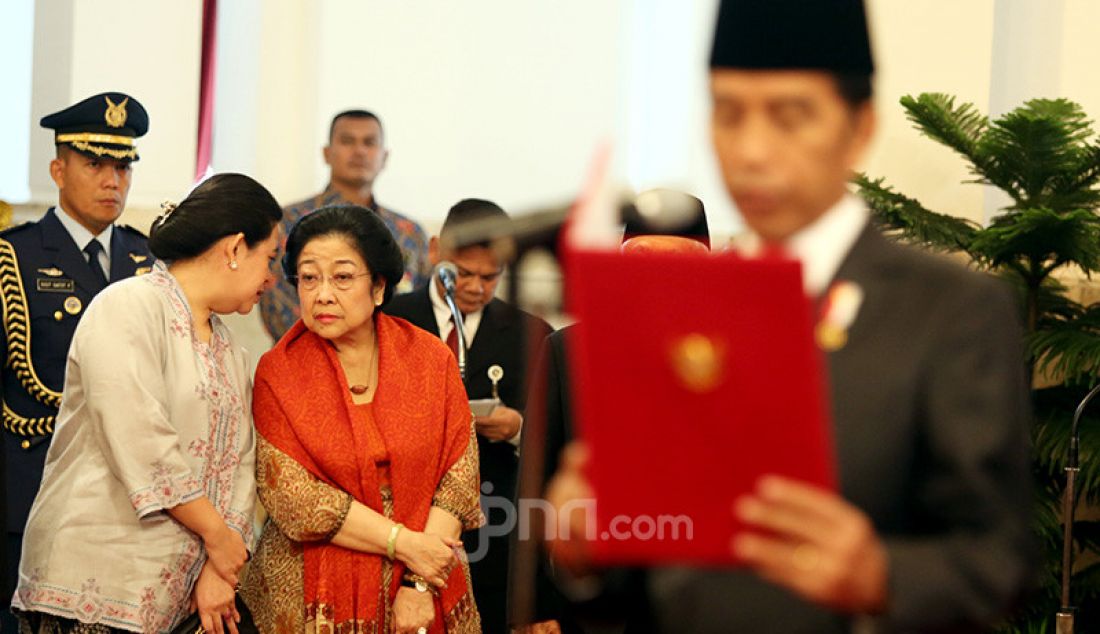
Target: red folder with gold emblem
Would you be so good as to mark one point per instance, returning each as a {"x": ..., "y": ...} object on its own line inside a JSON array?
[{"x": 692, "y": 376}]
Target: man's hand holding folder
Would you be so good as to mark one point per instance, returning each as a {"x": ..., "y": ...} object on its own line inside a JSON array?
[{"x": 802, "y": 537}]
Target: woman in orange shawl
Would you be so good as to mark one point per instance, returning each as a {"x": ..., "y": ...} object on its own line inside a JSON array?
[{"x": 366, "y": 461}]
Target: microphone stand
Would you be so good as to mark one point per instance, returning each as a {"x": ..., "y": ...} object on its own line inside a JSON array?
[
  {"x": 449, "y": 297},
  {"x": 1063, "y": 619}
]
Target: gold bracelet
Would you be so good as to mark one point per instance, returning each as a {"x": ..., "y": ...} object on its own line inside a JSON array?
[{"x": 391, "y": 543}]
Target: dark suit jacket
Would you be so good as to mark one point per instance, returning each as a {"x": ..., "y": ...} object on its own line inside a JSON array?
[
  {"x": 930, "y": 409},
  {"x": 501, "y": 340},
  {"x": 46, "y": 284}
]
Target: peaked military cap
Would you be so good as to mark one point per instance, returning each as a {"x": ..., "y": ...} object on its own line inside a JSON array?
[
  {"x": 827, "y": 35},
  {"x": 102, "y": 125}
]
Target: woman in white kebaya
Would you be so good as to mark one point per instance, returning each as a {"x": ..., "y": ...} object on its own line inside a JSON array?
[{"x": 145, "y": 510}]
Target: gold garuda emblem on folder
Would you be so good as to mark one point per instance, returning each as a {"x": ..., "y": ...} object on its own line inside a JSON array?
[
  {"x": 116, "y": 114},
  {"x": 698, "y": 361}
]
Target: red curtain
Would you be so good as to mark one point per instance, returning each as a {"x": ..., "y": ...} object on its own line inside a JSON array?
[{"x": 206, "y": 88}]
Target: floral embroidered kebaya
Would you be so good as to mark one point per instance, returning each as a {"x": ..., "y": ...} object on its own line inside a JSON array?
[{"x": 152, "y": 417}]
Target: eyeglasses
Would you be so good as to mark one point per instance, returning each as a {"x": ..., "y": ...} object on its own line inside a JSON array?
[{"x": 310, "y": 281}]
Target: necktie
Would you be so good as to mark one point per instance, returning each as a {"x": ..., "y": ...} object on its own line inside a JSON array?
[
  {"x": 452, "y": 338},
  {"x": 92, "y": 250}
]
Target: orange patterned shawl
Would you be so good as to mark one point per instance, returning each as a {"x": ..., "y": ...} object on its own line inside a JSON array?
[{"x": 302, "y": 406}]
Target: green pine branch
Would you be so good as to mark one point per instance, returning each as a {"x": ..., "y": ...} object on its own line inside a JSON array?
[
  {"x": 957, "y": 127},
  {"x": 1076, "y": 188},
  {"x": 1040, "y": 239},
  {"x": 1027, "y": 151},
  {"x": 913, "y": 221},
  {"x": 1068, "y": 348}
]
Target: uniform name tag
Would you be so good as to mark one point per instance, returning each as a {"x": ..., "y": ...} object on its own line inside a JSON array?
[{"x": 54, "y": 285}]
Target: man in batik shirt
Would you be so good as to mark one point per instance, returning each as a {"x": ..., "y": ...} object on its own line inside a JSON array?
[{"x": 356, "y": 153}]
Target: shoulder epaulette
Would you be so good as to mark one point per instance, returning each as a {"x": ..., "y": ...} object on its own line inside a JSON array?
[
  {"x": 16, "y": 228},
  {"x": 129, "y": 229}
]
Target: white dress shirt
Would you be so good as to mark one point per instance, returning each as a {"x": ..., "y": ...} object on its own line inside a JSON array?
[
  {"x": 822, "y": 245},
  {"x": 81, "y": 236},
  {"x": 470, "y": 321}
]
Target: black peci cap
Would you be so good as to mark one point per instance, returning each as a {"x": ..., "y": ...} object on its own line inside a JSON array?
[
  {"x": 827, "y": 35},
  {"x": 691, "y": 216}
]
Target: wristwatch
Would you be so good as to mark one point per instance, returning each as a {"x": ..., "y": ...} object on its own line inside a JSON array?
[{"x": 420, "y": 584}]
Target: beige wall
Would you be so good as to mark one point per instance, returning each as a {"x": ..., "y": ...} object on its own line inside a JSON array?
[
  {"x": 1080, "y": 51},
  {"x": 492, "y": 98},
  {"x": 506, "y": 99},
  {"x": 149, "y": 49},
  {"x": 995, "y": 54},
  {"x": 928, "y": 46}
]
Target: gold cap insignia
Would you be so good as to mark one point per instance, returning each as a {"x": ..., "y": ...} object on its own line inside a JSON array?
[
  {"x": 116, "y": 114},
  {"x": 138, "y": 258},
  {"x": 53, "y": 271},
  {"x": 698, "y": 361},
  {"x": 73, "y": 305}
]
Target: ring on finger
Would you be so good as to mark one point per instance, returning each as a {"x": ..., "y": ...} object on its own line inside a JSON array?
[{"x": 806, "y": 557}]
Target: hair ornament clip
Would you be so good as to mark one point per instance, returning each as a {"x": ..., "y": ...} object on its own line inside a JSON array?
[{"x": 166, "y": 209}]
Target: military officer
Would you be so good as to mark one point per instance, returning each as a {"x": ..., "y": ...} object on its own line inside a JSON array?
[{"x": 49, "y": 271}]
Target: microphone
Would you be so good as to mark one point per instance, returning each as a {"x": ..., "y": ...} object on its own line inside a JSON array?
[{"x": 447, "y": 273}]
